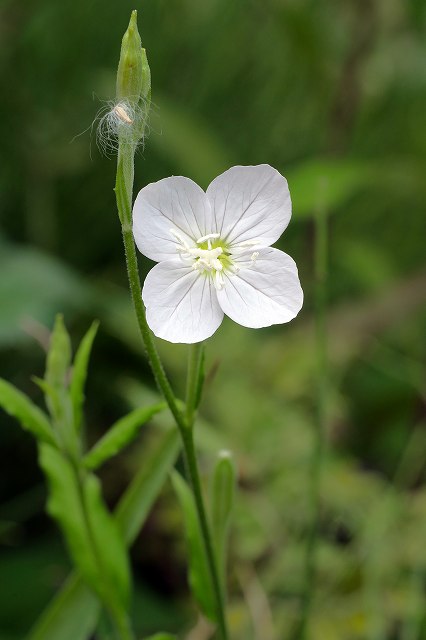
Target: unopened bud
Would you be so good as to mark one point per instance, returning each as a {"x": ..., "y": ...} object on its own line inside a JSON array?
[{"x": 133, "y": 75}]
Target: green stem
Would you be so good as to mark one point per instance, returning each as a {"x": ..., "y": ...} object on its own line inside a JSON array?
[
  {"x": 192, "y": 469},
  {"x": 123, "y": 191},
  {"x": 194, "y": 381},
  {"x": 147, "y": 337},
  {"x": 320, "y": 420},
  {"x": 117, "y": 614}
]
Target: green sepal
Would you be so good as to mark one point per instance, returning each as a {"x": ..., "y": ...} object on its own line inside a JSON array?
[
  {"x": 198, "y": 574},
  {"x": 31, "y": 418},
  {"x": 79, "y": 374},
  {"x": 93, "y": 538},
  {"x": 120, "y": 435}
]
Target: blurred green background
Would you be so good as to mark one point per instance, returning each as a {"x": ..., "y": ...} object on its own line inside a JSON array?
[{"x": 333, "y": 94}]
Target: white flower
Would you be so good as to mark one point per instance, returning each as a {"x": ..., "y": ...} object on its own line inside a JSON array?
[{"x": 214, "y": 253}]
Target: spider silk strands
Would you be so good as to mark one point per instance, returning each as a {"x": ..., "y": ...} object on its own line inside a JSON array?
[{"x": 319, "y": 440}]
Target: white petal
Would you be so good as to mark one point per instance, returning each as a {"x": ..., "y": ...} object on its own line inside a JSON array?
[
  {"x": 173, "y": 203},
  {"x": 262, "y": 293},
  {"x": 250, "y": 203},
  {"x": 181, "y": 303}
]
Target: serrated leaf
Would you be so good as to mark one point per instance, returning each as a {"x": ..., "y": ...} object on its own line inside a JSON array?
[
  {"x": 198, "y": 575},
  {"x": 33, "y": 419},
  {"x": 120, "y": 434},
  {"x": 58, "y": 621},
  {"x": 79, "y": 373},
  {"x": 92, "y": 536}
]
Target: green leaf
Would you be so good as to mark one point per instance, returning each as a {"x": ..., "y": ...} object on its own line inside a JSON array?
[
  {"x": 135, "y": 504},
  {"x": 222, "y": 500},
  {"x": 18, "y": 405},
  {"x": 73, "y": 613},
  {"x": 52, "y": 397},
  {"x": 55, "y": 385},
  {"x": 326, "y": 181},
  {"x": 60, "y": 411},
  {"x": 79, "y": 373},
  {"x": 35, "y": 286},
  {"x": 59, "y": 356},
  {"x": 120, "y": 435},
  {"x": 199, "y": 576},
  {"x": 161, "y": 636},
  {"x": 92, "y": 536}
]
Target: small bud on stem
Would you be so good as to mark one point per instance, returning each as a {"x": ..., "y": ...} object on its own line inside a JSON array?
[{"x": 133, "y": 75}]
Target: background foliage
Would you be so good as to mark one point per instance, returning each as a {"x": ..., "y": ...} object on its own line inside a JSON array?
[{"x": 333, "y": 94}]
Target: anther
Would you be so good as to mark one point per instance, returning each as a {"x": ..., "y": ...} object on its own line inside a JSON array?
[{"x": 210, "y": 236}]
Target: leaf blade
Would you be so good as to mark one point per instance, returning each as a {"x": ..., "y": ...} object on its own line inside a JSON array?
[
  {"x": 79, "y": 373},
  {"x": 198, "y": 574},
  {"x": 33, "y": 419},
  {"x": 70, "y": 603},
  {"x": 119, "y": 435},
  {"x": 92, "y": 537}
]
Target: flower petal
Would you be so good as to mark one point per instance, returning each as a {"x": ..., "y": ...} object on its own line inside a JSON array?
[
  {"x": 263, "y": 293},
  {"x": 181, "y": 303},
  {"x": 250, "y": 203},
  {"x": 175, "y": 203}
]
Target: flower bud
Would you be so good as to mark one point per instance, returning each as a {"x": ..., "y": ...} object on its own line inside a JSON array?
[{"x": 133, "y": 75}]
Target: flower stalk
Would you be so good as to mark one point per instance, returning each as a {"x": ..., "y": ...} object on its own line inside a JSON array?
[{"x": 184, "y": 420}]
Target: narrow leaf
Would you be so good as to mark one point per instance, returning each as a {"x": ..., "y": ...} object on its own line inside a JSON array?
[
  {"x": 199, "y": 576},
  {"x": 18, "y": 405},
  {"x": 222, "y": 500},
  {"x": 135, "y": 504},
  {"x": 79, "y": 373},
  {"x": 92, "y": 536},
  {"x": 76, "y": 607},
  {"x": 59, "y": 356},
  {"x": 72, "y": 614},
  {"x": 120, "y": 434},
  {"x": 58, "y": 402}
]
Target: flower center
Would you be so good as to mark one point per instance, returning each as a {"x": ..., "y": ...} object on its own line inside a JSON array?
[{"x": 212, "y": 257}]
